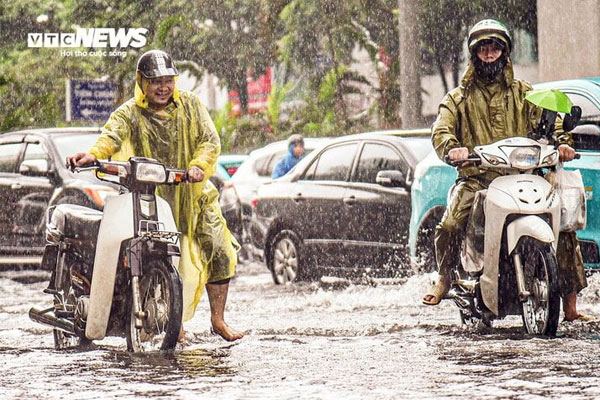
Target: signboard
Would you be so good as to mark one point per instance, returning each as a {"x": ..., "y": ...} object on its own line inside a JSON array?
[
  {"x": 258, "y": 93},
  {"x": 90, "y": 100}
]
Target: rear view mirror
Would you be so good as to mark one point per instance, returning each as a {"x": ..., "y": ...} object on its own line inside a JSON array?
[
  {"x": 34, "y": 167},
  {"x": 390, "y": 178},
  {"x": 572, "y": 119}
]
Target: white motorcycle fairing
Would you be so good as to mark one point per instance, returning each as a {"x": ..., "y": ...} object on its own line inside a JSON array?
[
  {"x": 115, "y": 227},
  {"x": 523, "y": 194}
]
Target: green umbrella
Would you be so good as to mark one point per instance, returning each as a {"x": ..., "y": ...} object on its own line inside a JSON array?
[{"x": 550, "y": 99}]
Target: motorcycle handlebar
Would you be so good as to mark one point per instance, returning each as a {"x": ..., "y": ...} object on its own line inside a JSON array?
[
  {"x": 476, "y": 160},
  {"x": 113, "y": 168},
  {"x": 473, "y": 159}
]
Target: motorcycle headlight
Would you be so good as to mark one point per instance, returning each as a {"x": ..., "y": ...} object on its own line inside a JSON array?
[
  {"x": 524, "y": 157},
  {"x": 154, "y": 173}
]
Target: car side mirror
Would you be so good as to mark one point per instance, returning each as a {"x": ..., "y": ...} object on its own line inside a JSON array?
[
  {"x": 390, "y": 178},
  {"x": 34, "y": 167},
  {"x": 572, "y": 119}
]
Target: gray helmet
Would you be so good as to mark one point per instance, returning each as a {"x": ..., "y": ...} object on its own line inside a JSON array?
[
  {"x": 295, "y": 138},
  {"x": 489, "y": 29},
  {"x": 156, "y": 63}
]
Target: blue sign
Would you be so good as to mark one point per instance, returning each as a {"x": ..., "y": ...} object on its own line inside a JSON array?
[{"x": 90, "y": 100}]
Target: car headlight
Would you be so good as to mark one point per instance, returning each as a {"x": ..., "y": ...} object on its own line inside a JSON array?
[
  {"x": 524, "y": 157},
  {"x": 154, "y": 173}
]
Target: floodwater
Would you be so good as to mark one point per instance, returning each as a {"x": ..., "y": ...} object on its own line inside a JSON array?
[{"x": 332, "y": 339}]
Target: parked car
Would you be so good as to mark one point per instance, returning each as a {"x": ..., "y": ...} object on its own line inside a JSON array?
[
  {"x": 343, "y": 209},
  {"x": 32, "y": 177},
  {"x": 237, "y": 193},
  {"x": 227, "y": 165},
  {"x": 433, "y": 179}
]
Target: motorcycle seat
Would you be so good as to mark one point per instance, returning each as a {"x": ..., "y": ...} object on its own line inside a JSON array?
[{"x": 76, "y": 222}]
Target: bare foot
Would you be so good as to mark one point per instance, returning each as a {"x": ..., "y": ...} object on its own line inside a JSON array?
[
  {"x": 226, "y": 332},
  {"x": 577, "y": 316}
]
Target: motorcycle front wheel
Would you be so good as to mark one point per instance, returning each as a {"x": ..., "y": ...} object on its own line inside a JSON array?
[
  {"x": 162, "y": 305},
  {"x": 541, "y": 309}
]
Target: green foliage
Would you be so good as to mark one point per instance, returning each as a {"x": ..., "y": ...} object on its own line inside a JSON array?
[
  {"x": 274, "y": 103},
  {"x": 225, "y": 122},
  {"x": 310, "y": 42}
]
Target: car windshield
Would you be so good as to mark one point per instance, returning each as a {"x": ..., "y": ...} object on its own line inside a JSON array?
[{"x": 67, "y": 145}]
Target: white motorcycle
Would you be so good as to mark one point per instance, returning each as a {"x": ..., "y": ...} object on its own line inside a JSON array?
[
  {"x": 115, "y": 272},
  {"x": 508, "y": 258}
]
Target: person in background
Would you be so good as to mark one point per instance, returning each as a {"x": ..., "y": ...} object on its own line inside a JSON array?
[
  {"x": 488, "y": 106},
  {"x": 295, "y": 154},
  {"x": 175, "y": 128}
]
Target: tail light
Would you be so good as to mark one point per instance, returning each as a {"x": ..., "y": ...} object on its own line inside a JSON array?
[
  {"x": 231, "y": 170},
  {"x": 254, "y": 202}
]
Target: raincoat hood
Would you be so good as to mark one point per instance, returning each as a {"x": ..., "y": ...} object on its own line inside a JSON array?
[{"x": 286, "y": 163}]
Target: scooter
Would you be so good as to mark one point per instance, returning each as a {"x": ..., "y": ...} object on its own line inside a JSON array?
[
  {"x": 114, "y": 272},
  {"x": 508, "y": 262}
]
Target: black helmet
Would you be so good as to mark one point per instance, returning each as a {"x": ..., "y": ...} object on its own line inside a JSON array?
[
  {"x": 156, "y": 63},
  {"x": 489, "y": 29}
]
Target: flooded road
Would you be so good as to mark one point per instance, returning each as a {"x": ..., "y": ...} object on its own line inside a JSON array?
[{"x": 326, "y": 340}]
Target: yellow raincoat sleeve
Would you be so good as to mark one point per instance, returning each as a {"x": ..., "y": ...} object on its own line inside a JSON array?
[
  {"x": 443, "y": 131},
  {"x": 116, "y": 130},
  {"x": 208, "y": 144}
]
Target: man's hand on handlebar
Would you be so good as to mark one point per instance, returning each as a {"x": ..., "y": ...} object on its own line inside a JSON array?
[
  {"x": 459, "y": 153},
  {"x": 565, "y": 152},
  {"x": 195, "y": 174},
  {"x": 79, "y": 159}
]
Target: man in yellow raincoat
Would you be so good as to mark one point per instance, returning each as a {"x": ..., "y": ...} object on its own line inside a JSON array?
[
  {"x": 488, "y": 106},
  {"x": 175, "y": 128}
]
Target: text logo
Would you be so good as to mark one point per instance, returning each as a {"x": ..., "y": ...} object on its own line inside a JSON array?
[{"x": 91, "y": 37}]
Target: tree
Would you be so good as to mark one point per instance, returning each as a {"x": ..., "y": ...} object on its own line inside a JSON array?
[
  {"x": 225, "y": 37},
  {"x": 32, "y": 80}
]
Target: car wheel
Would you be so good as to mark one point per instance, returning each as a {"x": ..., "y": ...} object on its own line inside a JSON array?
[{"x": 286, "y": 262}]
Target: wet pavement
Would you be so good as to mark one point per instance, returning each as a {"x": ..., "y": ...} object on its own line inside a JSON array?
[{"x": 330, "y": 339}]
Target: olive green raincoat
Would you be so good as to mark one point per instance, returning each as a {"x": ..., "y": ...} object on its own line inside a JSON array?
[
  {"x": 181, "y": 136},
  {"x": 478, "y": 113}
]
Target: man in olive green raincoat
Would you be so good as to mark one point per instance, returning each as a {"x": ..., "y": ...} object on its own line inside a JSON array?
[
  {"x": 489, "y": 106},
  {"x": 175, "y": 128}
]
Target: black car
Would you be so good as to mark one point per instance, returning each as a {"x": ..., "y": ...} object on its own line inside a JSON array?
[
  {"x": 237, "y": 193},
  {"x": 32, "y": 177},
  {"x": 343, "y": 208}
]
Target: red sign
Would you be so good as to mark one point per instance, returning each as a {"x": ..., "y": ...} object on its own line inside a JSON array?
[{"x": 258, "y": 92}]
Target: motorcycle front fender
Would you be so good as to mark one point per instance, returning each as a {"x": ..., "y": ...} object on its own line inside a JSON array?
[
  {"x": 116, "y": 226},
  {"x": 530, "y": 225}
]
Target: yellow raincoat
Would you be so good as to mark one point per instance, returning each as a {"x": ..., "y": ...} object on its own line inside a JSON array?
[{"x": 181, "y": 136}]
